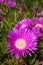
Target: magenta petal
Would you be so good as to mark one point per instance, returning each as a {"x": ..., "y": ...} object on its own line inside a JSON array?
[
  {"x": 25, "y": 23},
  {"x": 11, "y": 4},
  {"x": 29, "y": 44},
  {"x": 1, "y": 1},
  {"x": 38, "y": 23}
]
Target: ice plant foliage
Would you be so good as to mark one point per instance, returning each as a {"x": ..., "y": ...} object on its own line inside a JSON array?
[
  {"x": 1, "y": 17},
  {"x": 25, "y": 23},
  {"x": 21, "y": 42}
]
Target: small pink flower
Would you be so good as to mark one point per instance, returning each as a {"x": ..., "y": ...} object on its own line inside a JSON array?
[
  {"x": 21, "y": 8},
  {"x": 1, "y": 1},
  {"x": 35, "y": 9},
  {"x": 11, "y": 4}
]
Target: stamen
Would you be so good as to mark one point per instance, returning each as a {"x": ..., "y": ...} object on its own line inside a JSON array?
[
  {"x": 23, "y": 26},
  {"x": 39, "y": 25},
  {"x": 20, "y": 44}
]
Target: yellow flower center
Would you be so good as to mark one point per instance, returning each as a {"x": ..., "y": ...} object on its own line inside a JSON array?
[
  {"x": 20, "y": 44},
  {"x": 23, "y": 26},
  {"x": 39, "y": 25}
]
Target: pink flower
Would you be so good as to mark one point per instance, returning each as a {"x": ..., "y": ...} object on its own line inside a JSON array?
[
  {"x": 1, "y": 1},
  {"x": 35, "y": 9},
  {"x": 11, "y": 3},
  {"x": 25, "y": 23},
  {"x": 38, "y": 22},
  {"x": 21, "y": 8},
  {"x": 21, "y": 42},
  {"x": 38, "y": 26}
]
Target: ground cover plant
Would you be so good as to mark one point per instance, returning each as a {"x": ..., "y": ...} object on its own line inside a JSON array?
[{"x": 21, "y": 32}]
